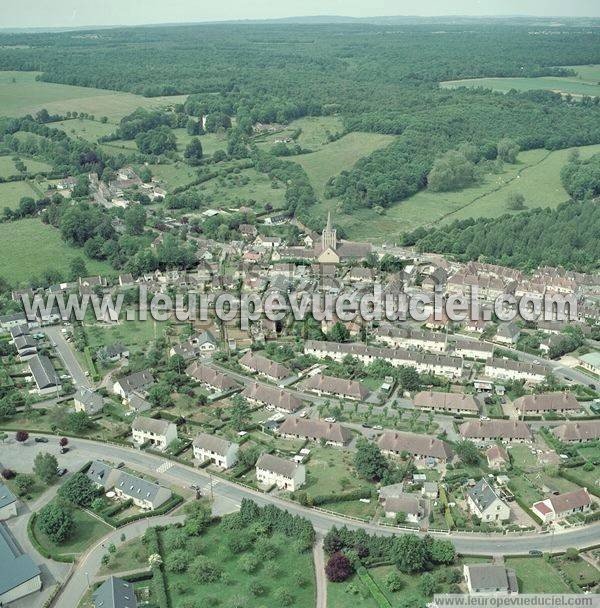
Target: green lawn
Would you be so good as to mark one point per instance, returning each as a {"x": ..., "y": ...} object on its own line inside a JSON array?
[
  {"x": 536, "y": 575},
  {"x": 524, "y": 489},
  {"x": 130, "y": 556},
  {"x": 21, "y": 94},
  {"x": 28, "y": 247},
  {"x": 331, "y": 471},
  {"x": 349, "y": 593},
  {"x": 280, "y": 572},
  {"x": 522, "y": 457},
  {"x": 12, "y": 192},
  {"x": 536, "y": 175},
  {"x": 36, "y": 491},
  {"x": 587, "y": 82},
  {"x": 8, "y": 169},
  {"x": 86, "y": 531},
  {"x": 211, "y": 142},
  {"x": 339, "y": 155},
  {"x": 580, "y": 571}
]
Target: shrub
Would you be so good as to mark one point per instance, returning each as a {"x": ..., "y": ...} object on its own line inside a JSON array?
[
  {"x": 338, "y": 568},
  {"x": 204, "y": 570}
]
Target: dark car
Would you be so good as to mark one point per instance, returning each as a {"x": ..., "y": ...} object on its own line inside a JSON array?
[
  {"x": 120, "y": 465},
  {"x": 366, "y": 426},
  {"x": 535, "y": 552},
  {"x": 64, "y": 449},
  {"x": 41, "y": 440},
  {"x": 61, "y": 471}
]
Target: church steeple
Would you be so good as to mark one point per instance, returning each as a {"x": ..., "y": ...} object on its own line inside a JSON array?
[{"x": 329, "y": 237}]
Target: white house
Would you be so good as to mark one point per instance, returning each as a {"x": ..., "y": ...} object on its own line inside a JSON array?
[
  {"x": 563, "y": 505},
  {"x": 285, "y": 474},
  {"x": 159, "y": 433},
  {"x": 136, "y": 382},
  {"x": 215, "y": 449},
  {"x": 485, "y": 504},
  {"x": 490, "y": 579}
]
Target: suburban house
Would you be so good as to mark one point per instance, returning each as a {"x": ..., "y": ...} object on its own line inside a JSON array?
[
  {"x": 508, "y": 333},
  {"x": 401, "y": 337},
  {"x": 490, "y": 579},
  {"x": 144, "y": 494},
  {"x": 137, "y": 382},
  {"x": 490, "y": 431},
  {"x": 26, "y": 347},
  {"x": 137, "y": 403},
  {"x": 591, "y": 362},
  {"x": 199, "y": 344},
  {"x": 456, "y": 403},
  {"x": 441, "y": 365},
  {"x": 497, "y": 457},
  {"x": 215, "y": 449},
  {"x": 332, "y": 433},
  {"x": 485, "y": 504},
  {"x": 113, "y": 352},
  {"x": 88, "y": 401},
  {"x": 211, "y": 378},
  {"x": 8, "y": 503},
  {"x": 44, "y": 375},
  {"x": 159, "y": 433},
  {"x": 115, "y": 593},
  {"x": 330, "y": 385},
  {"x": 544, "y": 403},
  {"x": 578, "y": 432},
  {"x": 507, "y": 369},
  {"x": 562, "y": 505},
  {"x": 418, "y": 446},
  {"x": 473, "y": 349},
  {"x": 19, "y": 575},
  {"x": 281, "y": 400},
  {"x": 285, "y": 474},
  {"x": 257, "y": 364},
  {"x": 409, "y": 504}
]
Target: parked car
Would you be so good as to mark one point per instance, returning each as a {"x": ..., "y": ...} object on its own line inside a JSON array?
[
  {"x": 64, "y": 449},
  {"x": 120, "y": 465},
  {"x": 535, "y": 552},
  {"x": 330, "y": 419},
  {"x": 61, "y": 471},
  {"x": 41, "y": 440}
]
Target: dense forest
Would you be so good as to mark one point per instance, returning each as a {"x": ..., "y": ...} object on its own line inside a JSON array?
[{"x": 378, "y": 78}]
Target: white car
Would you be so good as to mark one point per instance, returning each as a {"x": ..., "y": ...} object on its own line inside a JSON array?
[{"x": 330, "y": 419}]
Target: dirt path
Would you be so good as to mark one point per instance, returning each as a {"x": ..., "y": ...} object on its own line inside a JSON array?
[{"x": 319, "y": 558}]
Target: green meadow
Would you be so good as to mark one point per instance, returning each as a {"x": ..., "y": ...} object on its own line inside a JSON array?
[{"x": 21, "y": 93}]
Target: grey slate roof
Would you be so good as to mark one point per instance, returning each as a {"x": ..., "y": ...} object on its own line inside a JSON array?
[
  {"x": 268, "y": 462},
  {"x": 6, "y": 496},
  {"x": 482, "y": 494},
  {"x": 491, "y": 578},
  {"x": 99, "y": 472},
  {"x": 115, "y": 593},
  {"x": 17, "y": 568},
  {"x": 89, "y": 398},
  {"x": 215, "y": 444},
  {"x": 136, "y": 487},
  {"x": 43, "y": 371}
]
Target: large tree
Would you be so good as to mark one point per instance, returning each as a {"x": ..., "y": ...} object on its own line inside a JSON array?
[
  {"x": 56, "y": 521},
  {"x": 79, "y": 490},
  {"x": 369, "y": 462},
  {"x": 45, "y": 467}
]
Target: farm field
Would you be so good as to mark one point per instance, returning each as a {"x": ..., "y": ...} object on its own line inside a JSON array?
[
  {"x": 12, "y": 192},
  {"x": 536, "y": 575},
  {"x": 21, "y": 93},
  {"x": 536, "y": 175},
  {"x": 29, "y": 247},
  {"x": 8, "y": 169},
  {"x": 587, "y": 82},
  {"x": 339, "y": 155}
]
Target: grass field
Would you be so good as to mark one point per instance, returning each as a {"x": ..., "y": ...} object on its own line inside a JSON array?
[
  {"x": 8, "y": 169},
  {"x": 587, "y": 82},
  {"x": 90, "y": 130},
  {"x": 87, "y": 529},
  {"x": 536, "y": 175},
  {"x": 21, "y": 94},
  {"x": 314, "y": 132},
  {"x": 130, "y": 555},
  {"x": 339, "y": 155},
  {"x": 28, "y": 247},
  {"x": 280, "y": 572},
  {"x": 12, "y": 192},
  {"x": 536, "y": 575}
]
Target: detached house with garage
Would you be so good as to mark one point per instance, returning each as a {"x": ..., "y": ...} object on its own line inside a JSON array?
[
  {"x": 485, "y": 504},
  {"x": 88, "y": 401},
  {"x": 216, "y": 450},
  {"x": 490, "y": 579},
  {"x": 285, "y": 474},
  {"x": 138, "y": 382},
  {"x": 158, "y": 433},
  {"x": 563, "y": 505}
]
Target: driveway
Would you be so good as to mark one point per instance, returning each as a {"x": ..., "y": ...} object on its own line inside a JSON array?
[{"x": 67, "y": 354}]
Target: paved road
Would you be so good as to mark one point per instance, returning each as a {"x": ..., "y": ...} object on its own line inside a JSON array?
[{"x": 67, "y": 355}]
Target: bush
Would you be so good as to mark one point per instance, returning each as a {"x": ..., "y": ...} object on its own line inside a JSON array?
[
  {"x": 177, "y": 561},
  {"x": 204, "y": 570},
  {"x": 338, "y": 568}
]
